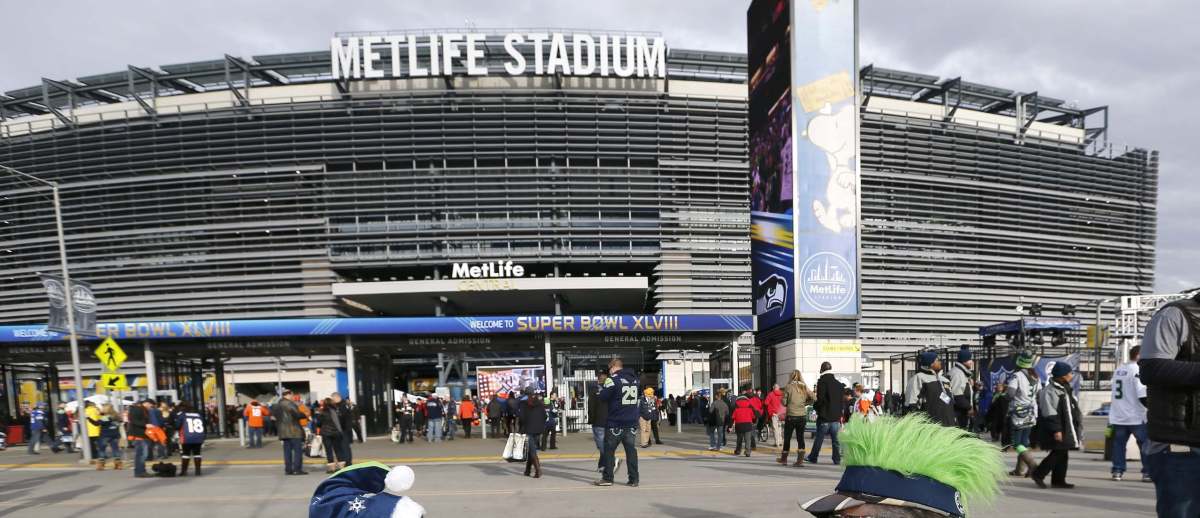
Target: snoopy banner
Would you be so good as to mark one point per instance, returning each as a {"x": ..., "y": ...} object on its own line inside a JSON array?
[{"x": 804, "y": 164}]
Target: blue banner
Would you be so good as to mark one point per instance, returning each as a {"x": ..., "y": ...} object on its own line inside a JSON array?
[
  {"x": 824, "y": 79},
  {"x": 395, "y": 326}
]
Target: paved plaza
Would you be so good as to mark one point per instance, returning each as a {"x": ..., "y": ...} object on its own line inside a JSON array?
[{"x": 466, "y": 478}]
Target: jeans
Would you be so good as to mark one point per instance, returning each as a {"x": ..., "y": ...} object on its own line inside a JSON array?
[
  {"x": 451, "y": 428},
  {"x": 716, "y": 436},
  {"x": 824, "y": 427},
  {"x": 1121, "y": 434},
  {"x": 628, "y": 438},
  {"x": 35, "y": 440},
  {"x": 256, "y": 436},
  {"x": 598, "y": 436},
  {"x": 106, "y": 444},
  {"x": 293, "y": 455},
  {"x": 531, "y": 449},
  {"x": 1020, "y": 438},
  {"x": 141, "y": 447},
  {"x": 796, "y": 425},
  {"x": 1175, "y": 476},
  {"x": 433, "y": 431},
  {"x": 777, "y": 430},
  {"x": 346, "y": 454}
]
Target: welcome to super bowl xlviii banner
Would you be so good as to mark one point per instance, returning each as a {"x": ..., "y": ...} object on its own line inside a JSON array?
[{"x": 803, "y": 159}]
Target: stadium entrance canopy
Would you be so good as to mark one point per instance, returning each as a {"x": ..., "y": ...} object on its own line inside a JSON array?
[{"x": 410, "y": 335}]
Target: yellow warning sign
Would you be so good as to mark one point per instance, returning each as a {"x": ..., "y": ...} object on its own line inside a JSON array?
[
  {"x": 110, "y": 354},
  {"x": 113, "y": 381}
]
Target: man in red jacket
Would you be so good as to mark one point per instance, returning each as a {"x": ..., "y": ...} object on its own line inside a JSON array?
[{"x": 774, "y": 403}]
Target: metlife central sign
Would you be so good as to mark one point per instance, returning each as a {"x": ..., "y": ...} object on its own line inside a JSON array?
[{"x": 451, "y": 53}]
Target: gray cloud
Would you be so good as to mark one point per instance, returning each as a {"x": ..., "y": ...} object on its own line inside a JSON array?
[{"x": 1135, "y": 57}]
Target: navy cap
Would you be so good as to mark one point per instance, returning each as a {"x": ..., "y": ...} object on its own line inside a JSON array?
[
  {"x": 964, "y": 355},
  {"x": 1060, "y": 369},
  {"x": 926, "y": 358}
]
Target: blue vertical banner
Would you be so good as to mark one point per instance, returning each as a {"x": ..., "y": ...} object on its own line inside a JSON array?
[
  {"x": 772, "y": 178},
  {"x": 804, "y": 196},
  {"x": 826, "y": 200}
]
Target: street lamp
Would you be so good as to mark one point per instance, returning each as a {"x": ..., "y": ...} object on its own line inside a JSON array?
[{"x": 80, "y": 416}]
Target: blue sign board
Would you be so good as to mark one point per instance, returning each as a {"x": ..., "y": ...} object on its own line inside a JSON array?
[{"x": 395, "y": 326}]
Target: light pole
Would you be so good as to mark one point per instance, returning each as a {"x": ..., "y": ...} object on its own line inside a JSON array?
[{"x": 80, "y": 415}]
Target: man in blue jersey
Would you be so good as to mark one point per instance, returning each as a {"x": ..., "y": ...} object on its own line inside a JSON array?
[
  {"x": 191, "y": 436},
  {"x": 621, "y": 393},
  {"x": 37, "y": 428}
]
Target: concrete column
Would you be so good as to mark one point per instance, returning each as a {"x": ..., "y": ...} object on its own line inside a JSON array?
[
  {"x": 151, "y": 372},
  {"x": 733, "y": 353},
  {"x": 219, "y": 370},
  {"x": 10, "y": 389},
  {"x": 549, "y": 368},
  {"x": 351, "y": 377},
  {"x": 388, "y": 396}
]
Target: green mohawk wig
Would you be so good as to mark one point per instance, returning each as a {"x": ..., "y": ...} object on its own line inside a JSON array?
[{"x": 915, "y": 446}]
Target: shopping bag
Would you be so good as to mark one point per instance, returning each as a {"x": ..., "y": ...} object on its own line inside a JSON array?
[
  {"x": 508, "y": 447},
  {"x": 518, "y": 453},
  {"x": 395, "y": 435},
  {"x": 316, "y": 447}
]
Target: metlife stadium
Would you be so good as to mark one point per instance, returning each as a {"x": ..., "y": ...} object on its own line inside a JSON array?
[{"x": 381, "y": 196}]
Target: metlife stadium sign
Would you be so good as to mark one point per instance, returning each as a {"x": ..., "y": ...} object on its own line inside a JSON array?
[
  {"x": 803, "y": 159},
  {"x": 362, "y": 57}
]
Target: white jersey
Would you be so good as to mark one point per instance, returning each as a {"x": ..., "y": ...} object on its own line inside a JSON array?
[{"x": 1127, "y": 388}]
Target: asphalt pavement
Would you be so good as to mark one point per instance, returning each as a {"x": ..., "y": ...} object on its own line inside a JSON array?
[{"x": 467, "y": 478}]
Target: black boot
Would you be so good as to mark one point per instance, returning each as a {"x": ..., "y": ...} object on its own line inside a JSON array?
[
  {"x": 183, "y": 469},
  {"x": 537, "y": 467},
  {"x": 528, "y": 465},
  {"x": 198, "y": 459}
]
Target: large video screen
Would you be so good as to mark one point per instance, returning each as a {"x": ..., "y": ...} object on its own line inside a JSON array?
[{"x": 771, "y": 167}]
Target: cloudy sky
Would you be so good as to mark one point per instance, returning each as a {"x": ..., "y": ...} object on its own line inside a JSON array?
[{"x": 1137, "y": 57}]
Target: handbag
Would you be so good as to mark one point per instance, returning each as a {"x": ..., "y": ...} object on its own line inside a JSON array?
[
  {"x": 316, "y": 447},
  {"x": 519, "y": 447},
  {"x": 508, "y": 447}
]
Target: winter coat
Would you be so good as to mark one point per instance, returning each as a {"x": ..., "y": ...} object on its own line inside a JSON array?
[
  {"x": 796, "y": 399},
  {"x": 1060, "y": 413},
  {"x": 829, "y": 398},
  {"x": 495, "y": 408},
  {"x": 139, "y": 417},
  {"x": 1022, "y": 395},
  {"x": 929, "y": 392},
  {"x": 718, "y": 412},
  {"x": 597, "y": 411},
  {"x": 962, "y": 387},
  {"x": 330, "y": 422},
  {"x": 744, "y": 413},
  {"x": 533, "y": 416},
  {"x": 287, "y": 419},
  {"x": 774, "y": 402}
]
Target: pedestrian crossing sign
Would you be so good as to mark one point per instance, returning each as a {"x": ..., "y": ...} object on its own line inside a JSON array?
[
  {"x": 112, "y": 381},
  {"x": 110, "y": 354}
]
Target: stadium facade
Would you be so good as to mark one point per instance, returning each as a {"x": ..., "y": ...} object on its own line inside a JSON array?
[{"x": 273, "y": 187}]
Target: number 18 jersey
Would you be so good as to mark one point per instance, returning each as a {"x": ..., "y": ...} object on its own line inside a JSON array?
[{"x": 191, "y": 428}]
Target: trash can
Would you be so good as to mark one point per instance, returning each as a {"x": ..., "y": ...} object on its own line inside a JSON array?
[{"x": 16, "y": 434}]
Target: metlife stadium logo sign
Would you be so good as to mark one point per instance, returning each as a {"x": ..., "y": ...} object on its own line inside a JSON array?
[{"x": 361, "y": 57}]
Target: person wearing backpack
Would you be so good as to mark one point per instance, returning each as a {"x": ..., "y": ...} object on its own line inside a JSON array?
[{"x": 714, "y": 421}]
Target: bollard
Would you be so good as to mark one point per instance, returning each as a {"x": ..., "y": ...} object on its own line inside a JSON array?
[
  {"x": 679, "y": 419},
  {"x": 242, "y": 432}
]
